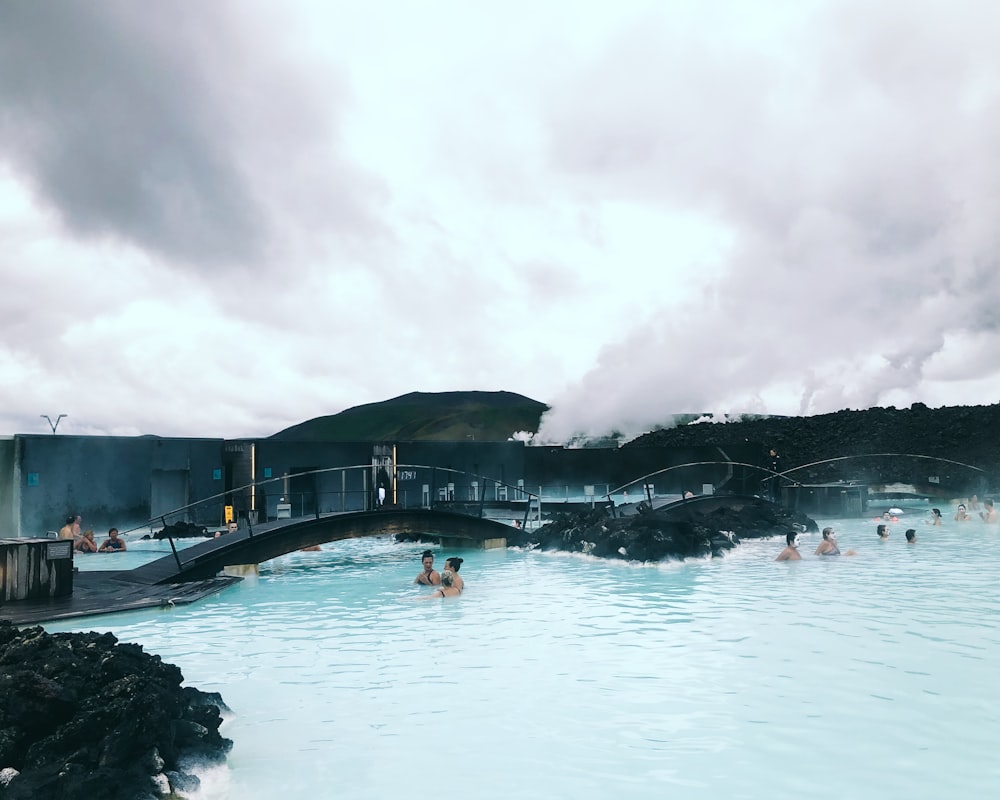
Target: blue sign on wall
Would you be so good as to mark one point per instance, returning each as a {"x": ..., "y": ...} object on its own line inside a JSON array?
[
  {"x": 216, "y": 474},
  {"x": 267, "y": 472},
  {"x": 32, "y": 479}
]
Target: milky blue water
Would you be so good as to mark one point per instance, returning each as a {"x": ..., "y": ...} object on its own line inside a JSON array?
[{"x": 559, "y": 676}]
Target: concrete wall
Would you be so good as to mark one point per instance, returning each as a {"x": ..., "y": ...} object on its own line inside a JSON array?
[
  {"x": 107, "y": 479},
  {"x": 334, "y": 490},
  {"x": 8, "y": 500},
  {"x": 124, "y": 481}
]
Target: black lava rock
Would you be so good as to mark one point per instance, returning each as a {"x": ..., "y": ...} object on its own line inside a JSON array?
[
  {"x": 83, "y": 716},
  {"x": 929, "y": 438},
  {"x": 659, "y": 535}
]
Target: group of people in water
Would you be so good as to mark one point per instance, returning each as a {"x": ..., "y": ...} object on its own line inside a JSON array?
[
  {"x": 829, "y": 547},
  {"x": 83, "y": 540},
  {"x": 448, "y": 582}
]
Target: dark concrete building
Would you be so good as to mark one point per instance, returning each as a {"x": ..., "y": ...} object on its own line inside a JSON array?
[{"x": 149, "y": 481}]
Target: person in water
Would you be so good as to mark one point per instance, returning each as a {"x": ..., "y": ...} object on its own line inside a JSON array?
[
  {"x": 454, "y": 564},
  {"x": 429, "y": 576},
  {"x": 447, "y": 588},
  {"x": 935, "y": 517},
  {"x": 86, "y": 543},
  {"x": 828, "y": 547},
  {"x": 883, "y": 532},
  {"x": 911, "y": 536},
  {"x": 791, "y": 551},
  {"x": 961, "y": 515},
  {"x": 113, "y": 544},
  {"x": 989, "y": 513}
]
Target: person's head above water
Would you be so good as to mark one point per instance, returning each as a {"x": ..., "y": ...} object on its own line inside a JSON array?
[
  {"x": 882, "y": 532},
  {"x": 936, "y": 512},
  {"x": 829, "y": 533},
  {"x": 911, "y": 535},
  {"x": 427, "y": 559},
  {"x": 447, "y": 578},
  {"x": 791, "y": 539},
  {"x": 454, "y": 563}
]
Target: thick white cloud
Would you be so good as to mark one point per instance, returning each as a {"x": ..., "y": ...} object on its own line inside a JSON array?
[{"x": 225, "y": 220}]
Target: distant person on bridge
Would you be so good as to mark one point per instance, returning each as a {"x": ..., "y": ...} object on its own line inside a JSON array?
[
  {"x": 774, "y": 481},
  {"x": 429, "y": 577},
  {"x": 791, "y": 551},
  {"x": 989, "y": 514},
  {"x": 454, "y": 564}
]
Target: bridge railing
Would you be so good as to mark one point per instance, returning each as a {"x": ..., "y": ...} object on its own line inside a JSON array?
[{"x": 350, "y": 489}]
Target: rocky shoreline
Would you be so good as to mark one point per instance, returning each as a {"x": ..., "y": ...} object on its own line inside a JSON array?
[{"x": 84, "y": 717}]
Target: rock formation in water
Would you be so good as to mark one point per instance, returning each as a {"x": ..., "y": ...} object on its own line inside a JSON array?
[
  {"x": 660, "y": 535},
  {"x": 181, "y": 530},
  {"x": 83, "y": 717}
]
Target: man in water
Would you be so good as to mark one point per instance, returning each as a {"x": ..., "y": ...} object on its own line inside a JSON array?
[
  {"x": 989, "y": 514},
  {"x": 791, "y": 551},
  {"x": 883, "y": 532},
  {"x": 911, "y": 536},
  {"x": 429, "y": 577},
  {"x": 113, "y": 544}
]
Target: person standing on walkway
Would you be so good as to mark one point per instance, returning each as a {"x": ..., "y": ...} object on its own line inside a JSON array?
[{"x": 773, "y": 483}]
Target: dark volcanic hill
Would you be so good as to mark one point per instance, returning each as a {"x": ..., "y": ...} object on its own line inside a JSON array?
[
  {"x": 419, "y": 416},
  {"x": 964, "y": 434}
]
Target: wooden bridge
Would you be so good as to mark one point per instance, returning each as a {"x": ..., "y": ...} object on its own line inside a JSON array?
[{"x": 273, "y": 539}]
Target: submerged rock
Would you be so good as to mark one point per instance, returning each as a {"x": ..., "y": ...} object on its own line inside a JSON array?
[
  {"x": 656, "y": 536},
  {"x": 84, "y": 716},
  {"x": 181, "y": 530}
]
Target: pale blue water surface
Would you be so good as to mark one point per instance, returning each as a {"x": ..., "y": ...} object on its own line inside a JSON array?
[{"x": 558, "y": 676}]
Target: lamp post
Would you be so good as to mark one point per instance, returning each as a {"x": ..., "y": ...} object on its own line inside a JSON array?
[{"x": 52, "y": 424}]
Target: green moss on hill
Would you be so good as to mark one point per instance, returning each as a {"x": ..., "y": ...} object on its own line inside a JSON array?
[{"x": 423, "y": 416}]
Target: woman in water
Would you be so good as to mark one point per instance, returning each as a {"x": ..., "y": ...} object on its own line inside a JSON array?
[
  {"x": 86, "y": 543},
  {"x": 447, "y": 589},
  {"x": 961, "y": 515},
  {"x": 454, "y": 564},
  {"x": 828, "y": 547},
  {"x": 935, "y": 517}
]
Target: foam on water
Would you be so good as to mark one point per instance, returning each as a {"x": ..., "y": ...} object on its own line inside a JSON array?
[{"x": 557, "y": 676}]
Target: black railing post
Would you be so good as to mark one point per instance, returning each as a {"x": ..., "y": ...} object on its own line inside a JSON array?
[
  {"x": 177, "y": 558},
  {"x": 482, "y": 498}
]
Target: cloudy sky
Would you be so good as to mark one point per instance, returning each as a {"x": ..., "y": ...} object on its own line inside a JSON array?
[{"x": 221, "y": 219}]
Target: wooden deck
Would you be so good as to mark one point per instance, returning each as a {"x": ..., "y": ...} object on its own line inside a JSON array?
[{"x": 107, "y": 592}]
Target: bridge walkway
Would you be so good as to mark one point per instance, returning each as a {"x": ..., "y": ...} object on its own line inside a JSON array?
[{"x": 264, "y": 542}]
